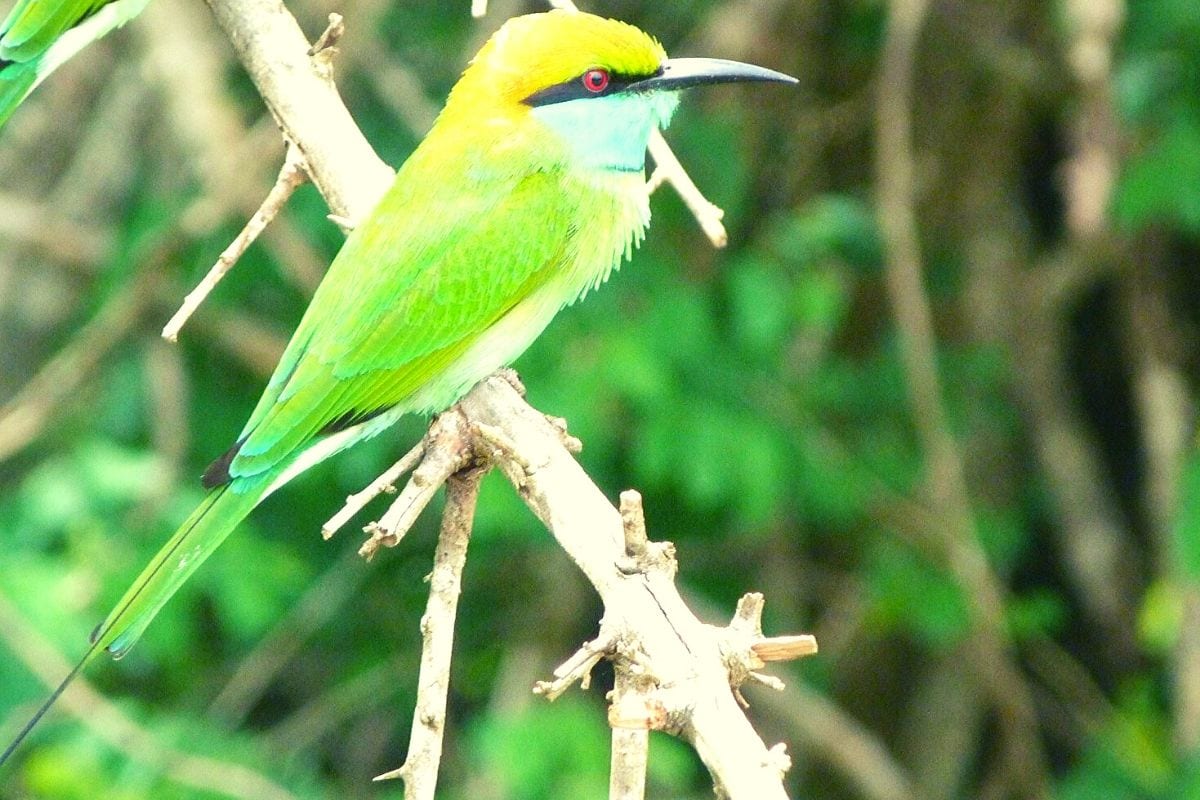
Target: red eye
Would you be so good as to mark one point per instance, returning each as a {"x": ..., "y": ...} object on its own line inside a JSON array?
[{"x": 595, "y": 80}]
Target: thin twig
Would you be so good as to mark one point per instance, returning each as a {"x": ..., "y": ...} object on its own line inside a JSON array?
[
  {"x": 478, "y": 8},
  {"x": 667, "y": 168},
  {"x": 304, "y": 101},
  {"x": 577, "y": 668},
  {"x": 291, "y": 176},
  {"x": 384, "y": 484},
  {"x": 437, "y": 632},
  {"x": 446, "y": 451}
]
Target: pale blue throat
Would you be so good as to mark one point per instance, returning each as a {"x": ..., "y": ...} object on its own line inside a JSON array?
[{"x": 611, "y": 132}]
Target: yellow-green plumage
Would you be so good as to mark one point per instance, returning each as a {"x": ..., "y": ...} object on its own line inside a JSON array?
[
  {"x": 528, "y": 191},
  {"x": 38, "y": 35}
]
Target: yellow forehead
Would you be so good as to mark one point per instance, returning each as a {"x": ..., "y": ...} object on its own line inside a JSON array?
[{"x": 533, "y": 52}]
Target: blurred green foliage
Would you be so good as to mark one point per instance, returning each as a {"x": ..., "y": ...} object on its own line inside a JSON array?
[{"x": 755, "y": 396}]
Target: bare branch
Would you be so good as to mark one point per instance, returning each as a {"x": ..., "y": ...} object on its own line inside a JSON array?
[
  {"x": 384, "y": 484},
  {"x": 291, "y": 175},
  {"x": 577, "y": 668},
  {"x": 678, "y": 657},
  {"x": 668, "y": 169},
  {"x": 301, "y": 96},
  {"x": 446, "y": 451},
  {"x": 420, "y": 768}
]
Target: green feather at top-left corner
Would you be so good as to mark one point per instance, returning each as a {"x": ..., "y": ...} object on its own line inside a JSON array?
[{"x": 37, "y": 36}]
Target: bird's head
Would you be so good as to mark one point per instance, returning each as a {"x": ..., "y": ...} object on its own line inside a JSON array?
[{"x": 598, "y": 84}]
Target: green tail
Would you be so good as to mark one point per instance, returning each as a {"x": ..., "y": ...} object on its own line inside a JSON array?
[
  {"x": 16, "y": 82},
  {"x": 197, "y": 538}
]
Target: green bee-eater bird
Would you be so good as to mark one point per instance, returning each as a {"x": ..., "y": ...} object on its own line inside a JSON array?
[
  {"x": 527, "y": 192},
  {"x": 39, "y": 35}
]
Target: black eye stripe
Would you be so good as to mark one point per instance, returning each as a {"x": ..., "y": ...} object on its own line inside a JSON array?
[{"x": 574, "y": 88}]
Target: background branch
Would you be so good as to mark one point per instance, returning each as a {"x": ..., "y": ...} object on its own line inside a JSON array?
[{"x": 896, "y": 171}]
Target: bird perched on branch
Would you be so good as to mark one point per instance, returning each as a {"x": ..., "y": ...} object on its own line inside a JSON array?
[
  {"x": 37, "y": 36},
  {"x": 528, "y": 192}
]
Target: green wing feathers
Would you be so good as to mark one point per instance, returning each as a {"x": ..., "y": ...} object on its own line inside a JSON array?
[
  {"x": 32, "y": 45},
  {"x": 446, "y": 255},
  {"x": 34, "y": 25},
  {"x": 409, "y": 292}
]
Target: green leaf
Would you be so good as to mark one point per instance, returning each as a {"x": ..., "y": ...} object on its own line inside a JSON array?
[
  {"x": 910, "y": 594},
  {"x": 1185, "y": 532},
  {"x": 1162, "y": 183},
  {"x": 544, "y": 750}
]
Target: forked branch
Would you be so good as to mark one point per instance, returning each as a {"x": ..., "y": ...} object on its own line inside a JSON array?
[{"x": 673, "y": 672}]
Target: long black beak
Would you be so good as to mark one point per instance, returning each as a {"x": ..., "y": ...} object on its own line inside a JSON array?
[{"x": 680, "y": 73}]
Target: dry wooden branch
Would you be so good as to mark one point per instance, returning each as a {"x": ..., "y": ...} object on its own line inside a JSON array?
[
  {"x": 674, "y": 673},
  {"x": 577, "y": 668},
  {"x": 384, "y": 484},
  {"x": 300, "y": 94},
  {"x": 291, "y": 175},
  {"x": 447, "y": 449},
  {"x": 670, "y": 653},
  {"x": 420, "y": 768},
  {"x": 667, "y": 169}
]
